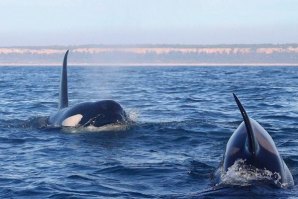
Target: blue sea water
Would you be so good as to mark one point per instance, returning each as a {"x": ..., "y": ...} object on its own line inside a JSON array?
[{"x": 183, "y": 118}]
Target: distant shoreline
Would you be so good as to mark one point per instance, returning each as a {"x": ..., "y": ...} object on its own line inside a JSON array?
[
  {"x": 154, "y": 55},
  {"x": 148, "y": 64}
]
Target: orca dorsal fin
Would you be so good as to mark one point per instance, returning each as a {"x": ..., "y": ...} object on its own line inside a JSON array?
[
  {"x": 63, "y": 95},
  {"x": 252, "y": 147}
]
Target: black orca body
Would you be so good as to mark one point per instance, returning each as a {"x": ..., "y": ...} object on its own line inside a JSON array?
[
  {"x": 85, "y": 114},
  {"x": 252, "y": 143}
]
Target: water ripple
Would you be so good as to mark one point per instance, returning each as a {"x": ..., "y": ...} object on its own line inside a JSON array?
[{"x": 183, "y": 117}]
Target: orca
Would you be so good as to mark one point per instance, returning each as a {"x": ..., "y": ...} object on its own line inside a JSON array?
[
  {"x": 96, "y": 114},
  {"x": 251, "y": 143}
]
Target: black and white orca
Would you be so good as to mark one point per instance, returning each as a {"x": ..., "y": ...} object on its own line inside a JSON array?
[
  {"x": 85, "y": 114},
  {"x": 253, "y": 144}
]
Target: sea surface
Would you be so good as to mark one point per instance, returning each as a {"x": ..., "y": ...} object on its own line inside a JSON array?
[{"x": 182, "y": 119}]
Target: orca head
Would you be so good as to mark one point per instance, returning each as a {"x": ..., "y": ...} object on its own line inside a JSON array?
[
  {"x": 253, "y": 144},
  {"x": 265, "y": 154},
  {"x": 102, "y": 113}
]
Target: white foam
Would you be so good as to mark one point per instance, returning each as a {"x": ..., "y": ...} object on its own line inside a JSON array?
[
  {"x": 105, "y": 128},
  {"x": 108, "y": 127},
  {"x": 242, "y": 174}
]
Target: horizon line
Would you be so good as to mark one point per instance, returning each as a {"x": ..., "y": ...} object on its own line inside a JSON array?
[
  {"x": 152, "y": 44},
  {"x": 172, "y": 64}
]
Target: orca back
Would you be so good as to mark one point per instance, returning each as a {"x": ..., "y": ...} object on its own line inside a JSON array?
[{"x": 251, "y": 143}]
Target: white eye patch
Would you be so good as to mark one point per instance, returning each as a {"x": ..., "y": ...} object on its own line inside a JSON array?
[{"x": 72, "y": 121}]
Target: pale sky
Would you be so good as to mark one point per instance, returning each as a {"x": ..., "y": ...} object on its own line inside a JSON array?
[{"x": 76, "y": 22}]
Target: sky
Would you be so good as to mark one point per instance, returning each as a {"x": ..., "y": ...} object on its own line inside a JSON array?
[{"x": 78, "y": 22}]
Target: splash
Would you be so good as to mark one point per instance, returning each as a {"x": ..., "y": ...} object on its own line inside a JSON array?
[
  {"x": 241, "y": 174},
  {"x": 106, "y": 128},
  {"x": 115, "y": 127},
  {"x": 132, "y": 115}
]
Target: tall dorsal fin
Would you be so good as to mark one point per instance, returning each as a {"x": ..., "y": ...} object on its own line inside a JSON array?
[
  {"x": 63, "y": 95},
  {"x": 252, "y": 147}
]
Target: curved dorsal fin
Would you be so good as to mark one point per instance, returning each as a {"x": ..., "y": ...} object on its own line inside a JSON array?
[
  {"x": 63, "y": 95},
  {"x": 252, "y": 147}
]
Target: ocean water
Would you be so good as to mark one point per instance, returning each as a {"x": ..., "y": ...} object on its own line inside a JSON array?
[{"x": 183, "y": 118}]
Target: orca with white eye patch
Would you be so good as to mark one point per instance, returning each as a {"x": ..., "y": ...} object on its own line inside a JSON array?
[{"x": 85, "y": 114}]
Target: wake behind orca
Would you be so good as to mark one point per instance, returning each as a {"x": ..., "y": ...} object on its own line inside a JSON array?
[
  {"x": 96, "y": 114},
  {"x": 253, "y": 149}
]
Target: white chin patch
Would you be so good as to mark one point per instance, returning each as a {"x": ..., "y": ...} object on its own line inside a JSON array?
[{"x": 72, "y": 121}]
